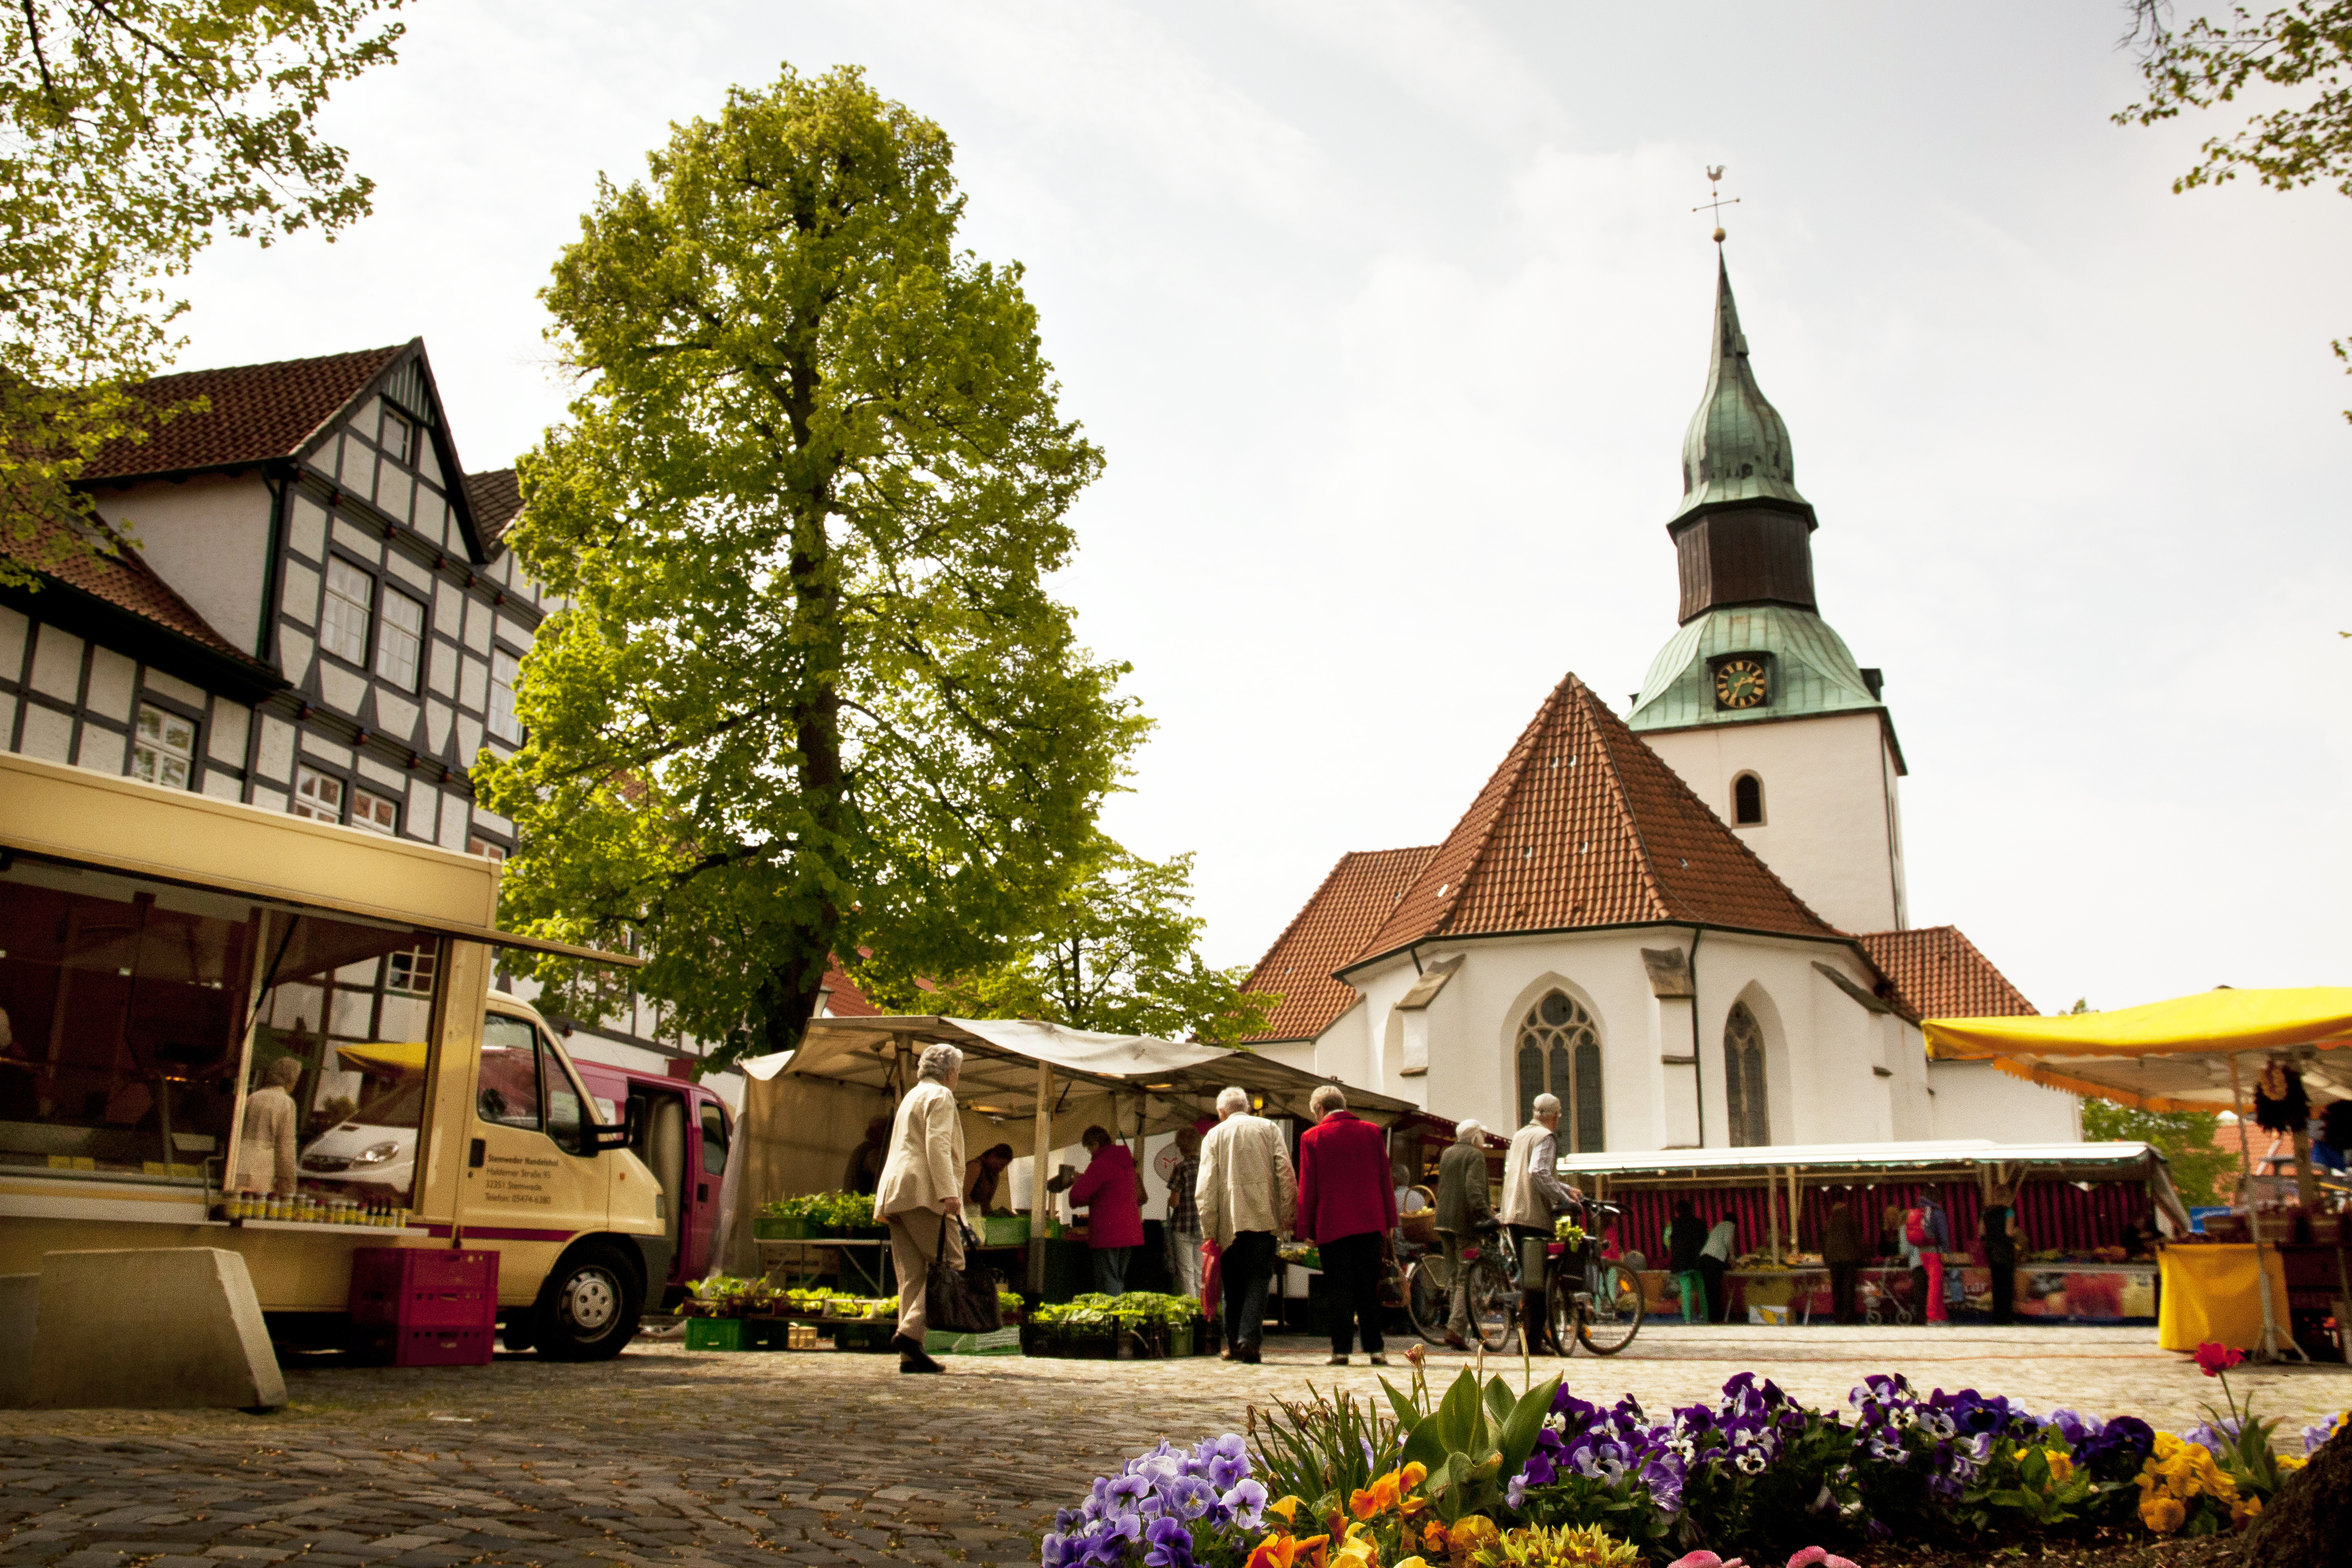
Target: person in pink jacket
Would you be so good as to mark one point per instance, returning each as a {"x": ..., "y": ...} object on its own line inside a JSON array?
[
  {"x": 1347, "y": 1206},
  {"x": 1111, "y": 1193}
]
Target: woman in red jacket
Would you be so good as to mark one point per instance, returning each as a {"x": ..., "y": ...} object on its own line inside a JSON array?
[
  {"x": 1347, "y": 1206},
  {"x": 1111, "y": 1193}
]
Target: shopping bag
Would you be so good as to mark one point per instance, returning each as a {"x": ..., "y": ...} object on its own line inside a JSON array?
[{"x": 960, "y": 1300}]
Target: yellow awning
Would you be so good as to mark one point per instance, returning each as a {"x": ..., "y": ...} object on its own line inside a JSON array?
[
  {"x": 398, "y": 1058},
  {"x": 2165, "y": 1056}
]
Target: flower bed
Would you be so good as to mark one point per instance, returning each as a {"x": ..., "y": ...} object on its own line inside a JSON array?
[{"x": 1484, "y": 1477}]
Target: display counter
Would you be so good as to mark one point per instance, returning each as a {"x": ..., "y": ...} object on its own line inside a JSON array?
[{"x": 2083, "y": 1292}]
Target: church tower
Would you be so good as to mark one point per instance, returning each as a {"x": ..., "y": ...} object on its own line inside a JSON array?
[{"x": 1755, "y": 701}]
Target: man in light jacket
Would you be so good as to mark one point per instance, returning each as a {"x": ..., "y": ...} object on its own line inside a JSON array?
[
  {"x": 921, "y": 1195},
  {"x": 1462, "y": 1212},
  {"x": 1248, "y": 1197},
  {"x": 1533, "y": 1195}
]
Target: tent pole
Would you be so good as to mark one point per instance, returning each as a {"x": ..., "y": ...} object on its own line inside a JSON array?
[{"x": 1041, "y": 1149}]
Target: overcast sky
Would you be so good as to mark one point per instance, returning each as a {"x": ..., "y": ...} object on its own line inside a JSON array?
[{"x": 1390, "y": 317}]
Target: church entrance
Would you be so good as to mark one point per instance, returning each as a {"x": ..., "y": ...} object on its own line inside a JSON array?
[{"x": 1560, "y": 1054}]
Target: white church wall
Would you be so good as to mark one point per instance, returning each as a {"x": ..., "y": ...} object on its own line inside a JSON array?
[
  {"x": 1673, "y": 1091},
  {"x": 1299, "y": 1054},
  {"x": 1829, "y": 816},
  {"x": 1914, "y": 1107},
  {"x": 209, "y": 538},
  {"x": 1977, "y": 1100}
]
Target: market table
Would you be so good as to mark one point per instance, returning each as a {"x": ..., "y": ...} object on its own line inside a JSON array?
[{"x": 2211, "y": 1293}]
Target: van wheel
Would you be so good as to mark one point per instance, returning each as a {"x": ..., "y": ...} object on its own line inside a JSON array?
[{"x": 589, "y": 1307}]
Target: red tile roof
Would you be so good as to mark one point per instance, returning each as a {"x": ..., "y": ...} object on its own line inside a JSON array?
[
  {"x": 125, "y": 580},
  {"x": 1936, "y": 972},
  {"x": 495, "y": 497},
  {"x": 1583, "y": 825},
  {"x": 1353, "y": 902},
  {"x": 258, "y": 411},
  {"x": 842, "y": 999}
]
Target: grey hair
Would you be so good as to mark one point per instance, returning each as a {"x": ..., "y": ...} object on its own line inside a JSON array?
[
  {"x": 1233, "y": 1098},
  {"x": 1469, "y": 1130},
  {"x": 939, "y": 1062},
  {"x": 1545, "y": 1105},
  {"x": 1326, "y": 1099},
  {"x": 284, "y": 1072}
]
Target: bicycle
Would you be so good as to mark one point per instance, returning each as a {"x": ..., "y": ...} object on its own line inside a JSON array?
[
  {"x": 1597, "y": 1301},
  {"x": 1494, "y": 1284}
]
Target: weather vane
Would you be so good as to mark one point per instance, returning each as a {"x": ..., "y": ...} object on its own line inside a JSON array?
[{"x": 1716, "y": 204}]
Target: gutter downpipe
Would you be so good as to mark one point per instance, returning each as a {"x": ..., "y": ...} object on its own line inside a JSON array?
[{"x": 1698, "y": 1064}]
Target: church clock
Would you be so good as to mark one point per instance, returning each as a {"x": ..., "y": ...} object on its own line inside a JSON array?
[{"x": 1739, "y": 683}]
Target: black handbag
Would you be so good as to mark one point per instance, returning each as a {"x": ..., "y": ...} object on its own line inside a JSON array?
[{"x": 960, "y": 1300}]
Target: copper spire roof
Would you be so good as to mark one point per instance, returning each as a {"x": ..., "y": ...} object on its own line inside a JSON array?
[
  {"x": 1936, "y": 972},
  {"x": 1737, "y": 444},
  {"x": 1354, "y": 901},
  {"x": 1583, "y": 825}
]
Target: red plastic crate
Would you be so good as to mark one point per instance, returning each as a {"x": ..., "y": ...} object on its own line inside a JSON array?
[
  {"x": 424, "y": 1287},
  {"x": 427, "y": 1347}
]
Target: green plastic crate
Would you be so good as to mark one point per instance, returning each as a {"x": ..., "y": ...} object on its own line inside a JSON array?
[
  {"x": 714, "y": 1333},
  {"x": 1004, "y": 1230},
  {"x": 996, "y": 1342},
  {"x": 782, "y": 1229}
]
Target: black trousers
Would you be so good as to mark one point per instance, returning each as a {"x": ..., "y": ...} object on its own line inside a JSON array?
[
  {"x": 1718, "y": 1299},
  {"x": 2004, "y": 1289},
  {"x": 1351, "y": 1282},
  {"x": 1841, "y": 1278},
  {"x": 1246, "y": 1270}
]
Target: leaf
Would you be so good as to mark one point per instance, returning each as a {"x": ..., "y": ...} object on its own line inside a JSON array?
[
  {"x": 1499, "y": 1399},
  {"x": 1408, "y": 1415},
  {"x": 1424, "y": 1447},
  {"x": 1460, "y": 1423},
  {"x": 1525, "y": 1425}
]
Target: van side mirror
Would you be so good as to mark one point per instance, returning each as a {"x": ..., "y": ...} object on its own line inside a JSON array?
[{"x": 602, "y": 1137}]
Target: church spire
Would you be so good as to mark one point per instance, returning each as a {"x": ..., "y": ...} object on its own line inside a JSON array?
[{"x": 1737, "y": 448}]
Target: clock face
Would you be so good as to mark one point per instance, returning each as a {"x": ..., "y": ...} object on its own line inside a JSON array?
[{"x": 1738, "y": 683}]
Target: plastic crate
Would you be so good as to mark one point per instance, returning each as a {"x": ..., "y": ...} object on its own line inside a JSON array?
[
  {"x": 412, "y": 1346},
  {"x": 714, "y": 1333},
  {"x": 864, "y": 1335},
  {"x": 784, "y": 1229},
  {"x": 1004, "y": 1230},
  {"x": 424, "y": 1287}
]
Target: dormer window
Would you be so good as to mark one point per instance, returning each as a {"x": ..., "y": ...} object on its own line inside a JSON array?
[
  {"x": 1747, "y": 801},
  {"x": 399, "y": 438}
]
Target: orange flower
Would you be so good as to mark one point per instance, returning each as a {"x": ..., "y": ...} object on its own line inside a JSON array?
[
  {"x": 1379, "y": 1499},
  {"x": 1413, "y": 1475},
  {"x": 1432, "y": 1539},
  {"x": 1289, "y": 1551}
]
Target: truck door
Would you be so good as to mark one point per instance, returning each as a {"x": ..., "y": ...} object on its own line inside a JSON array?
[
  {"x": 715, "y": 1136},
  {"x": 528, "y": 1190}
]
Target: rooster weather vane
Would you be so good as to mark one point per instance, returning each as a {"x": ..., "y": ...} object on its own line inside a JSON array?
[{"x": 1716, "y": 203}]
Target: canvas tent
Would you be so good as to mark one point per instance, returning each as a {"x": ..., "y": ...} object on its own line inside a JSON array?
[{"x": 1035, "y": 1085}]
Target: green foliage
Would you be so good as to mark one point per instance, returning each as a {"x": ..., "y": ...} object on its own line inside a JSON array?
[
  {"x": 1587, "y": 1546},
  {"x": 855, "y": 1210},
  {"x": 1322, "y": 1448},
  {"x": 1473, "y": 1442},
  {"x": 2185, "y": 1139},
  {"x": 2042, "y": 1485},
  {"x": 131, "y": 133},
  {"x": 810, "y": 693},
  {"x": 1118, "y": 953},
  {"x": 2305, "y": 48},
  {"x": 1135, "y": 1307}
]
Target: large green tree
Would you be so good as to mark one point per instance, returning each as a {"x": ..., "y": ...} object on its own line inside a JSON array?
[
  {"x": 1118, "y": 953},
  {"x": 132, "y": 134},
  {"x": 2303, "y": 51},
  {"x": 809, "y": 692}
]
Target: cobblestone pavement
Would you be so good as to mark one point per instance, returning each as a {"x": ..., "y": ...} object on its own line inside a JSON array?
[{"x": 667, "y": 1456}]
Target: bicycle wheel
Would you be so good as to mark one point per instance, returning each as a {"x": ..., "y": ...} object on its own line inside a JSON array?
[
  {"x": 1426, "y": 1303},
  {"x": 1494, "y": 1303},
  {"x": 1614, "y": 1315}
]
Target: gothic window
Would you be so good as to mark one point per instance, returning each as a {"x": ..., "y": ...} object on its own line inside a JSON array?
[
  {"x": 1560, "y": 1054},
  {"x": 1747, "y": 800},
  {"x": 1743, "y": 1077}
]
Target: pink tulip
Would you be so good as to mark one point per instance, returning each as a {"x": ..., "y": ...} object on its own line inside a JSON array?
[
  {"x": 1705, "y": 1559},
  {"x": 1819, "y": 1557}
]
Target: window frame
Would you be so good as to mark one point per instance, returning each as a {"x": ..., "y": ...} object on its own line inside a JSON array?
[
  {"x": 1560, "y": 1057},
  {"x": 343, "y": 795},
  {"x": 506, "y": 726},
  {"x": 1748, "y": 776},
  {"x": 1747, "y": 1094},
  {"x": 142, "y": 705},
  {"x": 329, "y": 597},
  {"x": 359, "y": 792},
  {"x": 386, "y": 633}
]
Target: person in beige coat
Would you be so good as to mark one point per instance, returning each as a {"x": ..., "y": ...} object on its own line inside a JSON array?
[
  {"x": 265, "y": 1142},
  {"x": 1248, "y": 1197},
  {"x": 921, "y": 1195}
]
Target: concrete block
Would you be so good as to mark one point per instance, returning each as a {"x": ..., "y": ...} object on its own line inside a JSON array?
[
  {"x": 150, "y": 1328},
  {"x": 19, "y": 1297}
]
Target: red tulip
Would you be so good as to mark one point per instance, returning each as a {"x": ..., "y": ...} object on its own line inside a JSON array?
[{"x": 2213, "y": 1360}]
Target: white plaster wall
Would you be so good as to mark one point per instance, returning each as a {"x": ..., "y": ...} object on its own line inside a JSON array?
[
  {"x": 209, "y": 538},
  {"x": 1830, "y": 827},
  {"x": 1977, "y": 1100}
]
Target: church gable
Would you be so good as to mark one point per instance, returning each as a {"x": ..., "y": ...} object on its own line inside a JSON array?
[
  {"x": 1937, "y": 972},
  {"x": 1583, "y": 825},
  {"x": 1352, "y": 903}
]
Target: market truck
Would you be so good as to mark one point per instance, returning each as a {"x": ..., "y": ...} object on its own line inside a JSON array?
[{"x": 162, "y": 954}]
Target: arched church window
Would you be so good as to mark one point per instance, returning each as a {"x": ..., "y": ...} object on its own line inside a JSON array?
[
  {"x": 1560, "y": 1054},
  {"x": 1743, "y": 1077},
  {"x": 1747, "y": 800}
]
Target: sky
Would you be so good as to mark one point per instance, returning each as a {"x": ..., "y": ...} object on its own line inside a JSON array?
[{"x": 1390, "y": 317}]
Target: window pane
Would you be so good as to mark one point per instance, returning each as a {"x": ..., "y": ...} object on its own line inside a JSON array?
[
  {"x": 714, "y": 1141},
  {"x": 163, "y": 751},
  {"x": 362, "y": 1060},
  {"x": 562, "y": 1101},
  {"x": 316, "y": 796},
  {"x": 411, "y": 973},
  {"x": 343, "y": 629},
  {"x": 122, "y": 1019},
  {"x": 505, "y": 669},
  {"x": 1531, "y": 1082},
  {"x": 400, "y": 651},
  {"x": 508, "y": 1092},
  {"x": 375, "y": 813},
  {"x": 1588, "y": 1095}
]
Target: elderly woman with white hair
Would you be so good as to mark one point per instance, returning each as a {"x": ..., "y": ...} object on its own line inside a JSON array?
[
  {"x": 921, "y": 1196},
  {"x": 1463, "y": 1211}
]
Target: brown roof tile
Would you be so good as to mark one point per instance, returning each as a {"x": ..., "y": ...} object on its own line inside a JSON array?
[
  {"x": 495, "y": 497},
  {"x": 125, "y": 580},
  {"x": 1353, "y": 902},
  {"x": 842, "y": 999},
  {"x": 1936, "y": 972},
  {"x": 258, "y": 411},
  {"x": 1583, "y": 825}
]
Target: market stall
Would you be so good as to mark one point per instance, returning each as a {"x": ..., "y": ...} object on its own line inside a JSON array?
[
  {"x": 2085, "y": 1209},
  {"x": 2262, "y": 1055},
  {"x": 1033, "y": 1086}
]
